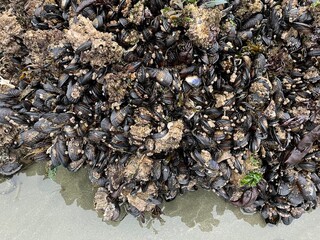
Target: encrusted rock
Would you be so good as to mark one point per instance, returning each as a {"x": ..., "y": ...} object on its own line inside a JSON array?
[
  {"x": 222, "y": 99},
  {"x": 40, "y": 44},
  {"x": 138, "y": 168},
  {"x": 102, "y": 203},
  {"x": 136, "y": 14},
  {"x": 204, "y": 25},
  {"x": 248, "y": 8},
  {"x": 115, "y": 87},
  {"x": 140, "y": 200},
  {"x": 104, "y": 49},
  {"x": 9, "y": 28},
  {"x": 172, "y": 139},
  {"x": 140, "y": 132}
]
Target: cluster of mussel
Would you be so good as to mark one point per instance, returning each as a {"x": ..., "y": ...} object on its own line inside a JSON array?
[{"x": 162, "y": 97}]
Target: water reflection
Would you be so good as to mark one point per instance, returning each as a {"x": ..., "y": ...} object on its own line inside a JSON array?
[
  {"x": 197, "y": 213},
  {"x": 75, "y": 187},
  {"x": 2, "y": 179},
  {"x": 201, "y": 209}
]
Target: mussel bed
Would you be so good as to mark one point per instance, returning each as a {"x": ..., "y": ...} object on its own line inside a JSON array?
[{"x": 162, "y": 97}]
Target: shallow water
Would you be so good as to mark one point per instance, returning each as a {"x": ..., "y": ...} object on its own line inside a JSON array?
[{"x": 34, "y": 207}]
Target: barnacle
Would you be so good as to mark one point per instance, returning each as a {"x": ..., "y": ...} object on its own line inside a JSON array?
[
  {"x": 172, "y": 139},
  {"x": 104, "y": 49},
  {"x": 204, "y": 25},
  {"x": 248, "y": 8},
  {"x": 136, "y": 14},
  {"x": 9, "y": 28},
  {"x": 37, "y": 43}
]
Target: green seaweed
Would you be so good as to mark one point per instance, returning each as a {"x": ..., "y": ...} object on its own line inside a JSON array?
[
  {"x": 251, "y": 179},
  {"x": 52, "y": 172}
]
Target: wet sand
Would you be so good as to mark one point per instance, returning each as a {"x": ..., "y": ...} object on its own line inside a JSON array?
[{"x": 36, "y": 207}]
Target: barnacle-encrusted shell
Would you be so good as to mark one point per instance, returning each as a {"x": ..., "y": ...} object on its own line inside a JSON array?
[
  {"x": 172, "y": 139},
  {"x": 140, "y": 200},
  {"x": 249, "y": 7},
  {"x": 139, "y": 167},
  {"x": 104, "y": 49},
  {"x": 136, "y": 14},
  {"x": 37, "y": 43},
  {"x": 9, "y": 27},
  {"x": 204, "y": 26}
]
